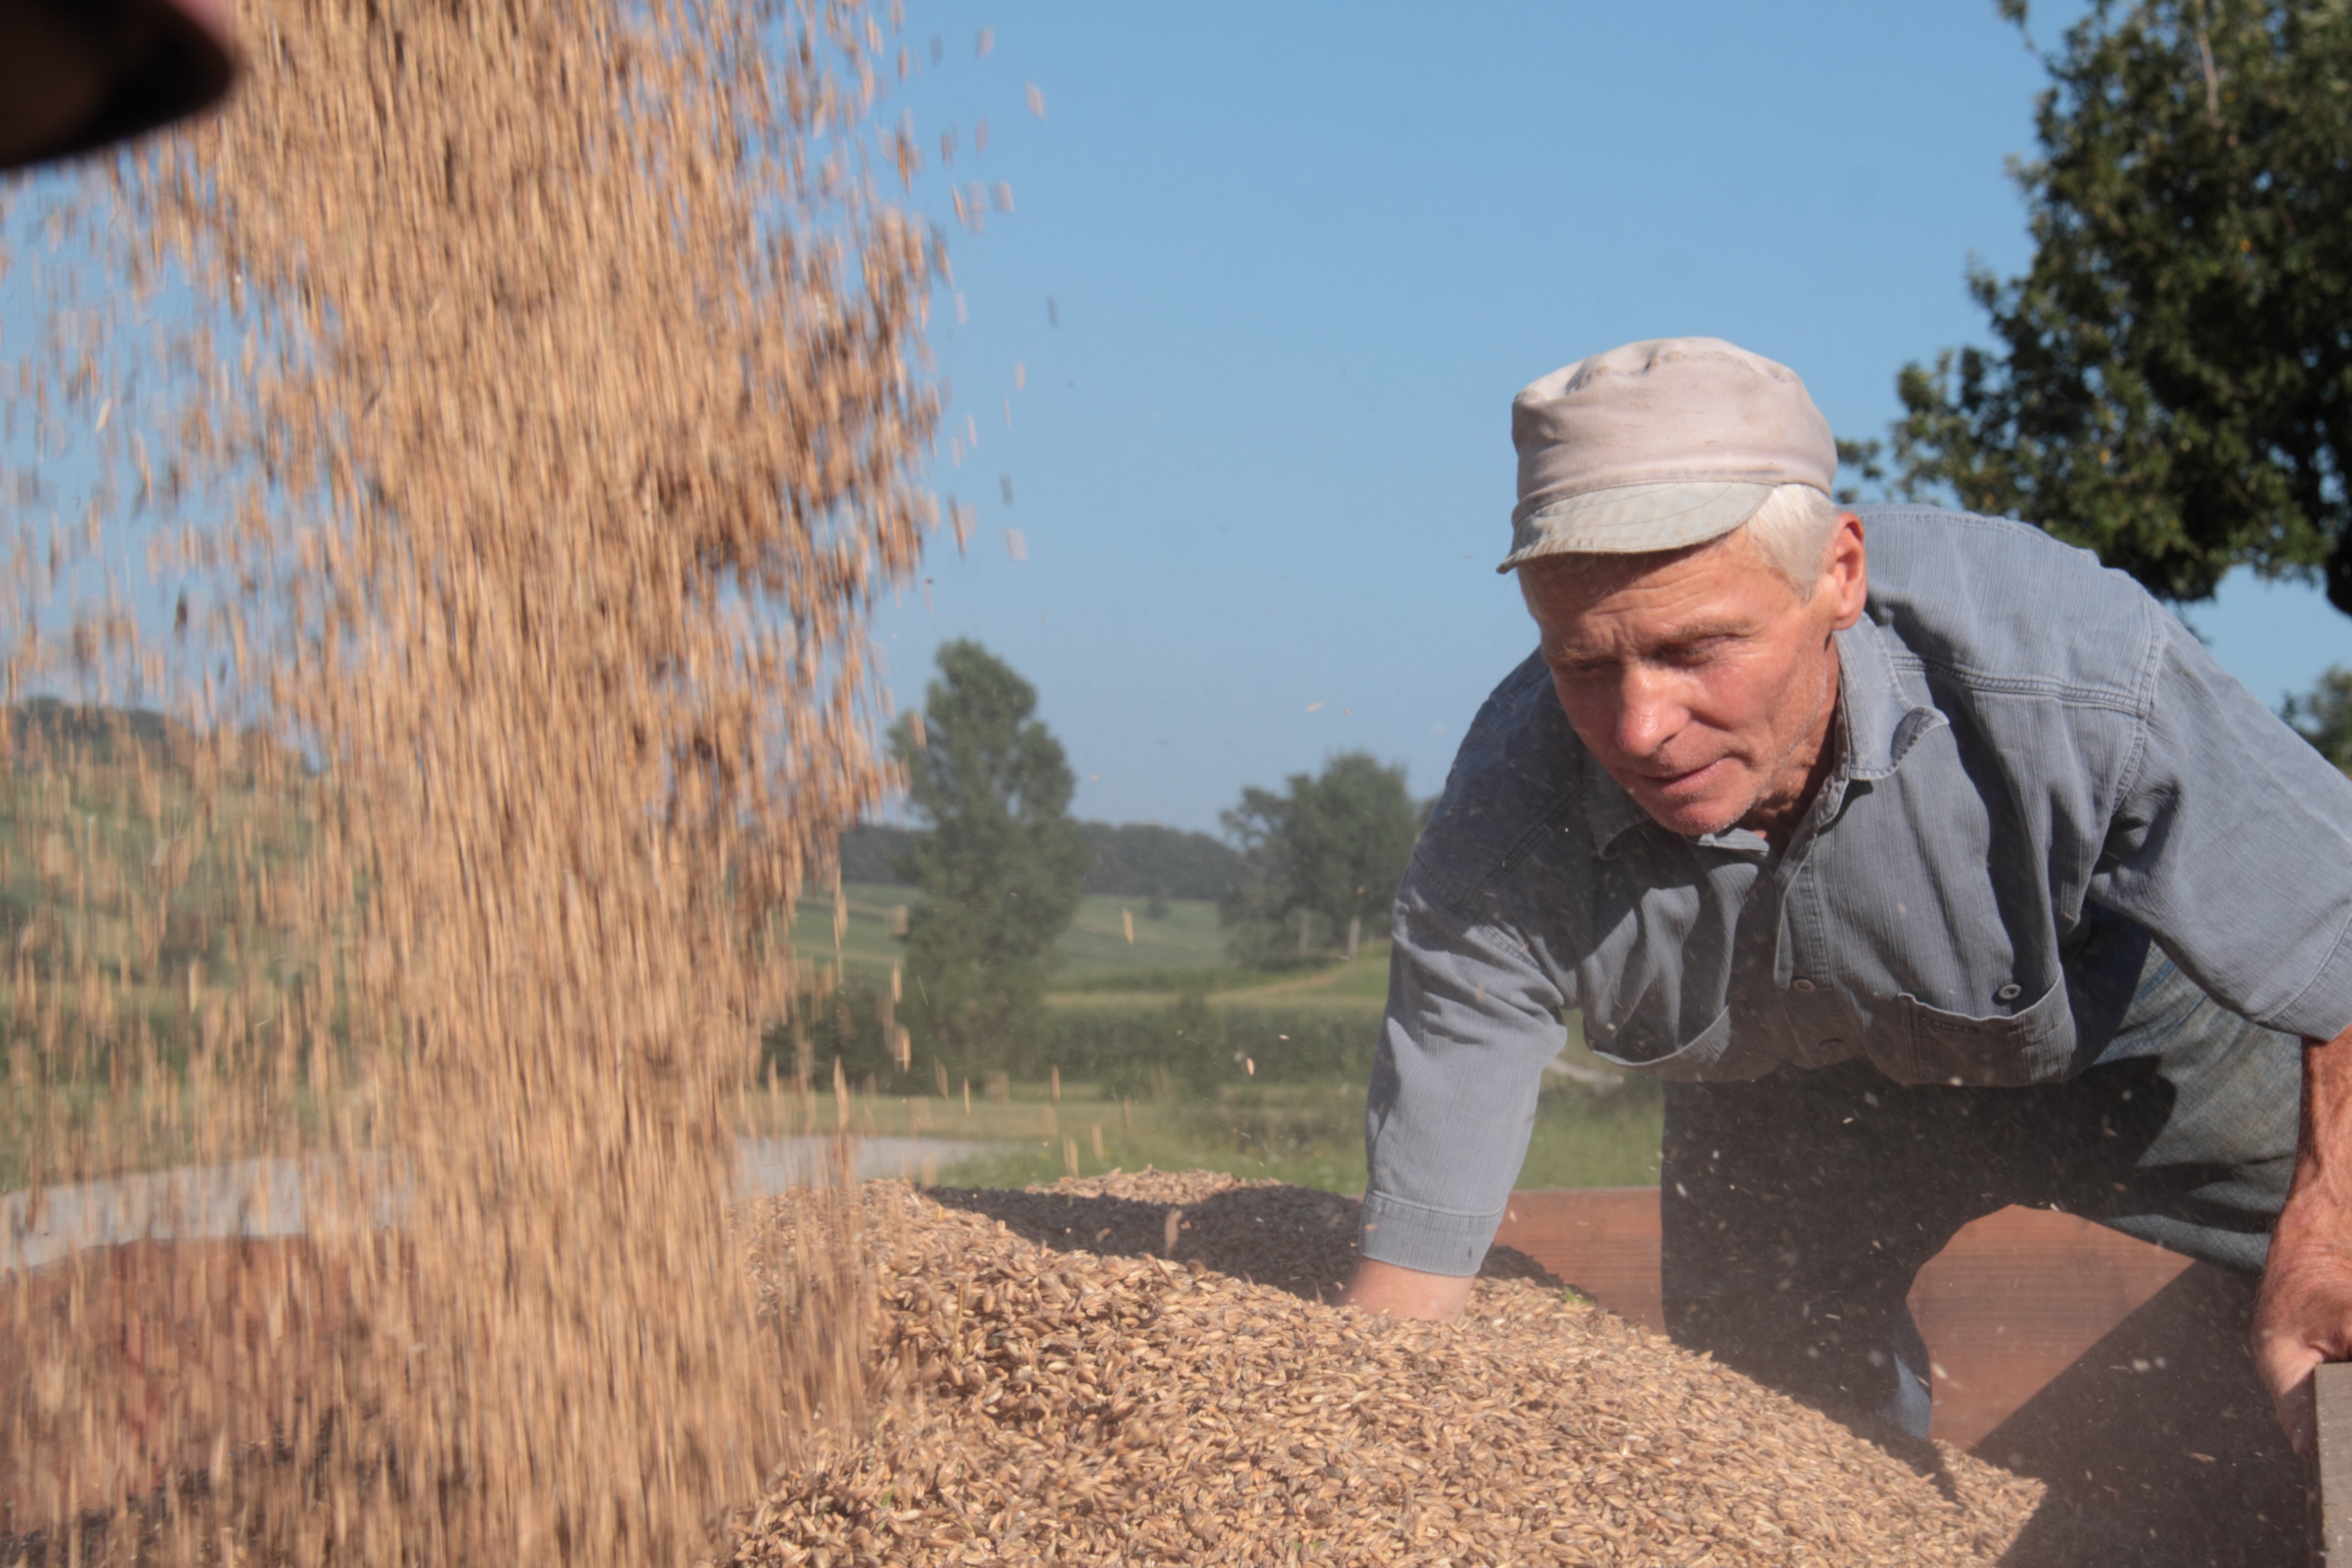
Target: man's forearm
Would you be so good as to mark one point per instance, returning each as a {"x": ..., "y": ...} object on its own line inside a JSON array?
[
  {"x": 2323, "y": 1156},
  {"x": 2319, "y": 1200},
  {"x": 1406, "y": 1292},
  {"x": 2303, "y": 1316}
]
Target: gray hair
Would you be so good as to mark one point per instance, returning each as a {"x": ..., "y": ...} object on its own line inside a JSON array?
[{"x": 1792, "y": 528}]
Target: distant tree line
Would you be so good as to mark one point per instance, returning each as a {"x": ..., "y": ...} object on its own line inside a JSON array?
[
  {"x": 1129, "y": 860},
  {"x": 876, "y": 852},
  {"x": 1145, "y": 861}
]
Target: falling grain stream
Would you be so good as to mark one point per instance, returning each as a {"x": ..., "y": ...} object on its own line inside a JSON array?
[{"x": 546, "y": 423}]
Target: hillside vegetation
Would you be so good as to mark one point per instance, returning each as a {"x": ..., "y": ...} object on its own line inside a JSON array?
[
  {"x": 145, "y": 880},
  {"x": 1165, "y": 1052},
  {"x": 1131, "y": 860},
  {"x": 128, "y": 850}
]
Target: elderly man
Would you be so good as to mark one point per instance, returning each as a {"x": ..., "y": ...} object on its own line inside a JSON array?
[{"x": 1934, "y": 868}]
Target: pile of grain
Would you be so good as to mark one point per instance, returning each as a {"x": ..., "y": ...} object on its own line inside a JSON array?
[{"x": 1067, "y": 1394}]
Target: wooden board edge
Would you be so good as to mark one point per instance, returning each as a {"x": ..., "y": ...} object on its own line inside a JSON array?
[{"x": 2331, "y": 1395}]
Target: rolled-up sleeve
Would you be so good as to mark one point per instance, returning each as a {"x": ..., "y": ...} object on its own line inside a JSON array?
[
  {"x": 2233, "y": 843},
  {"x": 1472, "y": 1021}
]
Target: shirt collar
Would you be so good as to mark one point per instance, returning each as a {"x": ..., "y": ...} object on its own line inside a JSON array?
[
  {"x": 1611, "y": 812},
  {"x": 1881, "y": 724}
]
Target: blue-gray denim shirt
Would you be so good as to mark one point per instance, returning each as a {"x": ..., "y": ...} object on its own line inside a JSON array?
[{"x": 2039, "y": 769}]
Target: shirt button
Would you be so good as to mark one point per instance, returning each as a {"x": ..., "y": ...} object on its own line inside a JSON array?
[
  {"x": 2008, "y": 994},
  {"x": 1804, "y": 984}
]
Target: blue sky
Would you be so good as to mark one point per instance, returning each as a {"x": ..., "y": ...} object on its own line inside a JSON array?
[
  {"x": 1272, "y": 273},
  {"x": 1299, "y": 257}
]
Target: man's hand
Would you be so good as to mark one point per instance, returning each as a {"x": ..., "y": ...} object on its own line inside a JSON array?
[
  {"x": 2303, "y": 1315},
  {"x": 1406, "y": 1292}
]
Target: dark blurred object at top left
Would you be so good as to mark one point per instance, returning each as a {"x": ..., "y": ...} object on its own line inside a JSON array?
[{"x": 78, "y": 74}]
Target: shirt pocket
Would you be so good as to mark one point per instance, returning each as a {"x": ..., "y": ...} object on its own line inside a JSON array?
[
  {"x": 2009, "y": 1050},
  {"x": 1645, "y": 1046}
]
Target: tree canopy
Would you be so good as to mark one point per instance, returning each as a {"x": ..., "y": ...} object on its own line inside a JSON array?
[
  {"x": 2173, "y": 382},
  {"x": 1330, "y": 850},
  {"x": 1000, "y": 862},
  {"x": 1145, "y": 861},
  {"x": 1131, "y": 860},
  {"x": 2324, "y": 716}
]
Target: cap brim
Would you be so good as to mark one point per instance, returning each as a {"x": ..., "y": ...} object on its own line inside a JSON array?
[{"x": 1632, "y": 519}]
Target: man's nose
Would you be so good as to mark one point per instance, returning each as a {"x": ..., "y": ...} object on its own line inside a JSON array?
[{"x": 1650, "y": 713}]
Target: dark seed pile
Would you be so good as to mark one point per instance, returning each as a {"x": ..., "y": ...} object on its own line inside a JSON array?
[
  {"x": 1066, "y": 1393},
  {"x": 1296, "y": 1238}
]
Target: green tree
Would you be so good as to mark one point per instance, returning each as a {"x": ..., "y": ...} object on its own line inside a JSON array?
[
  {"x": 2173, "y": 383},
  {"x": 999, "y": 864},
  {"x": 2322, "y": 716},
  {"x": 1329, "y": 853}
]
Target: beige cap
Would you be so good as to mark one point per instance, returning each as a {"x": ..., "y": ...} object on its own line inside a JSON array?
[{"x": 1659, "y": 445}]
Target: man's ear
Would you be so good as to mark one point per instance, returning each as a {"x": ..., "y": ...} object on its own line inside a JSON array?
[{"x": 1846, "y": 573}]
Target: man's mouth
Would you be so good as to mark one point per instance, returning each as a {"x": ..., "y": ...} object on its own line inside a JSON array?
[{"x": 1692, "y": 780}]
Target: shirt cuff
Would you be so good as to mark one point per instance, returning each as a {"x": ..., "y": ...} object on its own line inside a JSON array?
[
  {"x": 2322, "y": 1008},
  {"x": 1427, "y": 1241}
]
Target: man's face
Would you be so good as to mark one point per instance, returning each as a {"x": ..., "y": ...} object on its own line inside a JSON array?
[{"x": 1697, "y": 679}]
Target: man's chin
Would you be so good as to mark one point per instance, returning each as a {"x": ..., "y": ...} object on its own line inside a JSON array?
[
  {"x": 1692, "y": 819},
  {"x": 1696, "y": 826}
]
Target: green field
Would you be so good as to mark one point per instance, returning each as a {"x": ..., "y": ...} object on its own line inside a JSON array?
[
  {"x": 1183, "y": 948},
  {"x": 863, "y": 946},
  {"x": 1186, "y": 937},
  {"x": 1309, "y": 1133},
  {"x": 1170, "y": 1054},
  {"x": 1254, "y": 1108},
  {"x": 1246, "y": 1102}
]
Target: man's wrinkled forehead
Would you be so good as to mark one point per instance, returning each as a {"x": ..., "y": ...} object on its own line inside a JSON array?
[
  {"x": 1596, "y": 605},
  {"x": 1567, "y": 580}
]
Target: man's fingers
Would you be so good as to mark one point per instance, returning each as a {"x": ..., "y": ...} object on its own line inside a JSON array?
[
  {"x": 2297, "y": 1413},
  {"x": 2285, "y": 1361}
]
